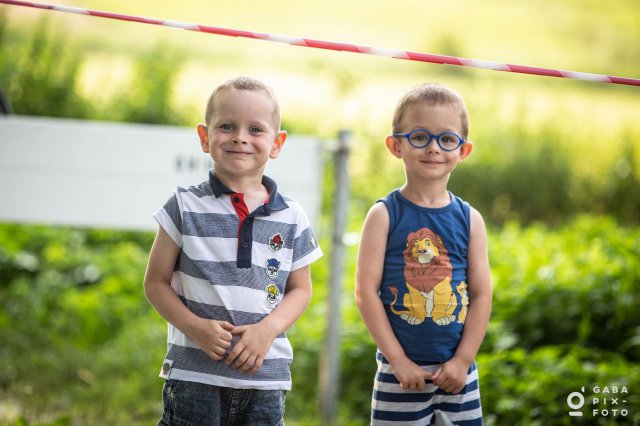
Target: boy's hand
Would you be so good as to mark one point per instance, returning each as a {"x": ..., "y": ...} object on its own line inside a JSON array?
[
  {"x": 411, "y": 376},
  {"x": 213, "y": 337},
  {"x": 249, "y": 351},
  {"x": 451, "y": 376}
]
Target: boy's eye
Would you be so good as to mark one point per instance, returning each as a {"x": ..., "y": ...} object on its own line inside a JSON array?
[
  {"x": 226, "y": 127},
  {"x": 419, "y": 137},
  {"x": 255, "y": 130}
]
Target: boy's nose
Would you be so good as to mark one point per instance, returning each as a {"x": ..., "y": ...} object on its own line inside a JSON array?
[
  {"x": 240, "y": 137},
  {"x": 432, "y": 145}
]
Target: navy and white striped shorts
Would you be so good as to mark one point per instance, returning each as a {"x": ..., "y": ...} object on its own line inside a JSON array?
[{"x": 392, "y": 405}]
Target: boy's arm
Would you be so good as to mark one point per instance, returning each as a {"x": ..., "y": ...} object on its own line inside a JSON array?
[
  {"x": 213, "y": 337},
  {"x": 249, "y": 352},
  {"x": 452, "y": 376},
  {"x": 369, "y": 267}
]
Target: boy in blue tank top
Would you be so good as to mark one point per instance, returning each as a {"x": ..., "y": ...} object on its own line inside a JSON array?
[{"x": 423, "y": 286}]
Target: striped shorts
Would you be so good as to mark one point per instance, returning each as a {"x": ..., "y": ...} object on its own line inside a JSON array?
[{"x": 392, "y": 405}]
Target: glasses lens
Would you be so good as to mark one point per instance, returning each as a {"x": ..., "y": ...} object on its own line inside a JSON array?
[
  {"x": 419, "y": 138},
  {"x": 449, "y": 141}
]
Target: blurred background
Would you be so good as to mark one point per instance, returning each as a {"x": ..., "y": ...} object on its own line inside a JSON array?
[{"x": 555, "y": 172}]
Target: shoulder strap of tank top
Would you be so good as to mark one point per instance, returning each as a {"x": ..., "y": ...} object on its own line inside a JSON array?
[
  {"x": 465, "y": 208},
  {"x": 391, "y": 202}
]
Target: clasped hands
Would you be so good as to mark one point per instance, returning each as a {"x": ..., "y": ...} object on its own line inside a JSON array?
[
  {"x": 246, "y": 355},
  {"x": 450, "y": 376}
]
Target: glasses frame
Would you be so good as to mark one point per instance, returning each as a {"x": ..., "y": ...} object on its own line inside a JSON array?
[{"x": 431, "y": 137}]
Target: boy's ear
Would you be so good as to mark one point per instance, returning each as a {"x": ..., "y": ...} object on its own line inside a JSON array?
[
  {"x": 281, "y": 136},
  {"x": 393, "y": 145},
  {"x": 203, "y": 133},
  {"x": 465, "y": 150}
]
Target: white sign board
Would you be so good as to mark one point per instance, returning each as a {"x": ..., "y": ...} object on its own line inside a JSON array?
[{"x": 115, "y": 175}]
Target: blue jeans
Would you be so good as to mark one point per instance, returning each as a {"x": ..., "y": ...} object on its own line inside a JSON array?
[{"x": 195, "y": 404}]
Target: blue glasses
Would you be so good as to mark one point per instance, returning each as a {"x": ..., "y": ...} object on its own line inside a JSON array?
[{"x": 421, "y": 138}]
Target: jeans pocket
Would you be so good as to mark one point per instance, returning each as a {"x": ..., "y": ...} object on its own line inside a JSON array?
[
  {"x": 191, "y": 404},
  {"x": 181, "y": 404}
]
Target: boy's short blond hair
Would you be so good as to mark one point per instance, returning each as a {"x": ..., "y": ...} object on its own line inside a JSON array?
[
  {"x": 434, "y": 94},
  {"x": 244, "y": 83}
]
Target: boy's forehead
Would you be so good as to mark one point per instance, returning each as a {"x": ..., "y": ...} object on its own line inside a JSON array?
[
  {"x": 231, "y": 95},
  {"x": 237, "y": 101},
  {"x": 430, "y": 111}
]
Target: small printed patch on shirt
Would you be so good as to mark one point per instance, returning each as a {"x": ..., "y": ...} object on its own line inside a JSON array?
[
  {"x": 313, "y": 241},
  {"x": 272, "y": 267},
  {"x": 166, "y": 368},
  {"x": 276, "y": 242},
  {"x": 272, "y": 294}
]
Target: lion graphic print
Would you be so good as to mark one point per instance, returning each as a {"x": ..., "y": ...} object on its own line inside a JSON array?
[{"x": 429, "y": 295}]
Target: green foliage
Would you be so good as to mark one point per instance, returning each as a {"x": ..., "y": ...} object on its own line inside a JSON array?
[
  {"x": 41, "y": 76},
  {"x": 72, "y": 313},
  {"x": 148, "y": 99},
  {"x": 564, "y": 317},
  {"x": 74, "y": 322},
  {"x": 531, "y": 388},
  {"x": 579, "y": 284},
  {"x": 46, "y": 84},
  {"x": 522, "y": 176}
]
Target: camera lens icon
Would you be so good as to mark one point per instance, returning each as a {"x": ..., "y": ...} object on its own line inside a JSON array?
[{"x": 575, "y": 401}]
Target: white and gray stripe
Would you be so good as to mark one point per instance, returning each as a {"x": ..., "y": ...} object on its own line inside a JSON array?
[
  {"x": 392, "y": 405},
  {"x": 214, "y": 283}
]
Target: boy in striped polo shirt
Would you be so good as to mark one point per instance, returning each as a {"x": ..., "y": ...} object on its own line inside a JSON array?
[
  {"x": 422, "y": 280},
  {"x": 229, "y": 271}
]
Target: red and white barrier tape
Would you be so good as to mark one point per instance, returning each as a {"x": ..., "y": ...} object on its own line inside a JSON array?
[{"x": 329, "y": 45}]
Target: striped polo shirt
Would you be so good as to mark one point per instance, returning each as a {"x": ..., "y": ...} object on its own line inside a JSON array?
[{"x": 233, "y": 271}]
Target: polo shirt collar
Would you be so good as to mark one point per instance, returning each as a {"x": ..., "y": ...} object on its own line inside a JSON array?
[{"x": 276, "y": 200}]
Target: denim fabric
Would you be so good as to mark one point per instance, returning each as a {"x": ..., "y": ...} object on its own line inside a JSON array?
[{"x": 191, "y": 404}]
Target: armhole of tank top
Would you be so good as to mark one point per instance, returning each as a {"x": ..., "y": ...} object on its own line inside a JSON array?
[
  {"x": 466, "y": 211},
  {"x": 389, "y": 204}
]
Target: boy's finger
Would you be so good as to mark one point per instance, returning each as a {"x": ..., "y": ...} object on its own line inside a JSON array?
[
  {"x": 235, "y": 352},
  {"x": 224, "y": 343},
  {"x": 256, "y": 366},
  {"x": 248, "y": 364},
  {"x": 216, "y": 353},
  {"x": 219, "y": 350},
  {"x": 226, "y": 325},
  {"x": 241, "y": 361},
  {"x": 435, "y": 376},
  {"x": 214, "y": 356},
  {"x": 238, "y": 330}
]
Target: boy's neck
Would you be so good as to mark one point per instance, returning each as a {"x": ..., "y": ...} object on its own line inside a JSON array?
[
  {"x": 250, "y": 184},
  {"x": 254, "y": 192},
  {"x": 431, "y": 196}
]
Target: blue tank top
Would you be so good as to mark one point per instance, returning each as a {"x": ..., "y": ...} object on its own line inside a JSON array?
[{"x": 423, "y": 287}]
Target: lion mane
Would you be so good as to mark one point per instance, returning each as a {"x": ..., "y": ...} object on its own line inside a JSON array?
[{"x": 423, "y": 274}]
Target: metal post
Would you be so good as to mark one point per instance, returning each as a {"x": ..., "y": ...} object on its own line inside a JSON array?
[{"x": 330, "y": 360}]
